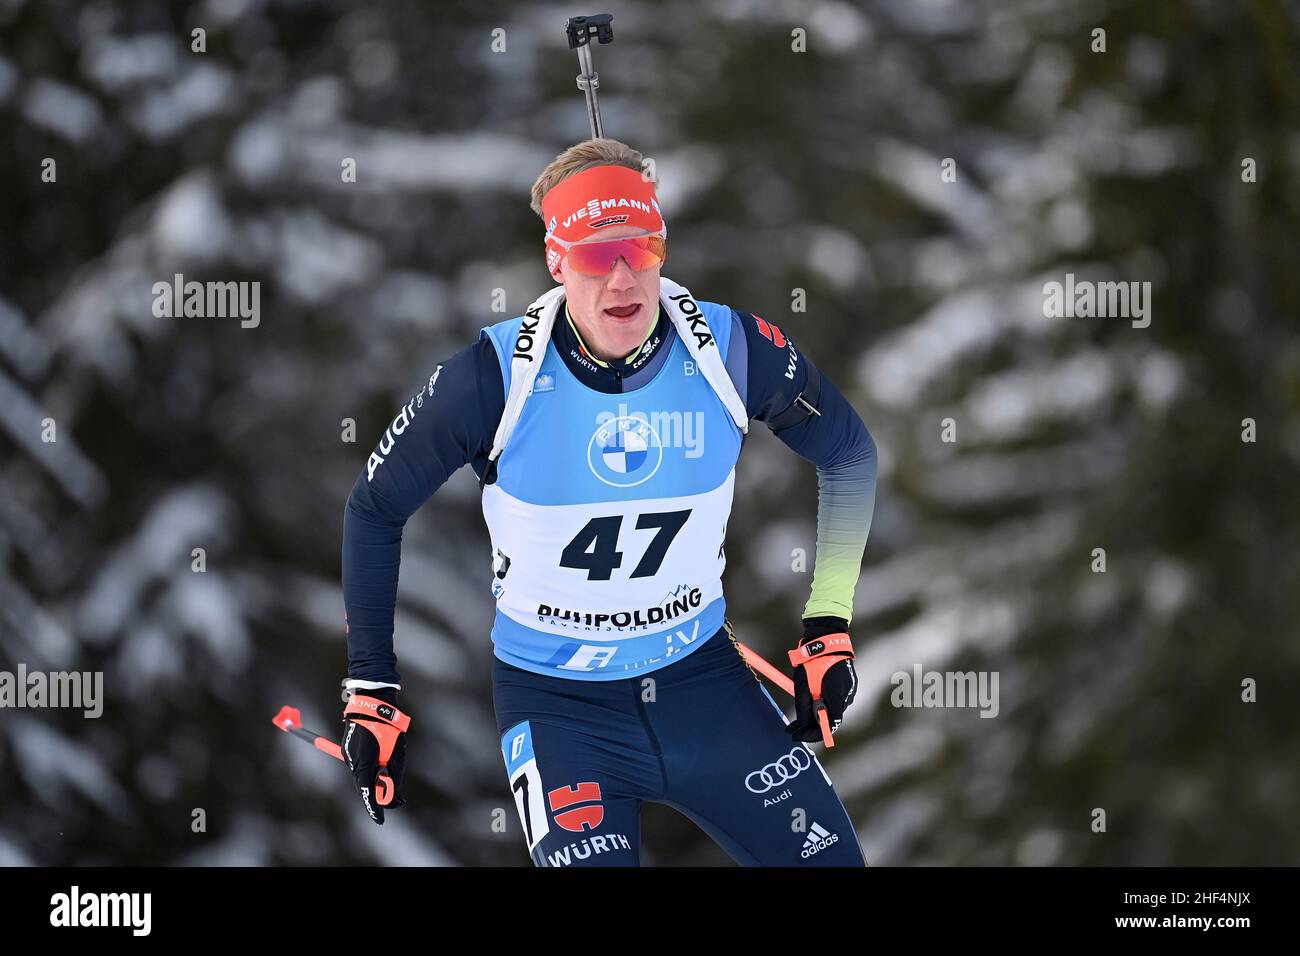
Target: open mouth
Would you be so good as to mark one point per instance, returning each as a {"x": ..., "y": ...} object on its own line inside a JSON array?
[{"x": 624, "y": 311}]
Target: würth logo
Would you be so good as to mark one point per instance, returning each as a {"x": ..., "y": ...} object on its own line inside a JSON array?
[
  {"x": 588, "y": 816},
  {"x": 770, "y": 332}
]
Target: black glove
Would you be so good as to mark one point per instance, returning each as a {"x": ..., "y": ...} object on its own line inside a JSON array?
[
  {"x": 374, "y": 737},
  {"x": 839, "y": 684}
]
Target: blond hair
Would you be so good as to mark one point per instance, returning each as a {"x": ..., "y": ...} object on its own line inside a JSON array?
[{"x": 584, "y": 155}]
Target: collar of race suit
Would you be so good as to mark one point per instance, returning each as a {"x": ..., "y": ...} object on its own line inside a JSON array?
[{"x": 599, "y": 374}]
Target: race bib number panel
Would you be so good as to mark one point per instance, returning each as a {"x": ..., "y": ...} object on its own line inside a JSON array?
[{"x": 525, "y": 782}]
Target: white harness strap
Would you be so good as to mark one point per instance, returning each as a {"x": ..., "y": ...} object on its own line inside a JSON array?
[
  {"x": 535, "y": 334},
  {"x": 688, "y": 318}
]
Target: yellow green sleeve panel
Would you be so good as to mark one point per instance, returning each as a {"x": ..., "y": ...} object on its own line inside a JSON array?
[{"x": 846, "y": 496}]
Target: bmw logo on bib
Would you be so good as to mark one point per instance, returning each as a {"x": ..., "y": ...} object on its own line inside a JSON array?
[{"x": 625, "y": 452}]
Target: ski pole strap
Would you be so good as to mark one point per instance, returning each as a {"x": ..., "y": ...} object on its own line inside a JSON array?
[
  {"x": 817, "y": 656},
  {"x": 377, "y": 709},
  {"x": 382, "y": 719}
]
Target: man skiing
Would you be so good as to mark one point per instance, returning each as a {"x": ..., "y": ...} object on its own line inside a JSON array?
[{"x": 604, "y": 425}]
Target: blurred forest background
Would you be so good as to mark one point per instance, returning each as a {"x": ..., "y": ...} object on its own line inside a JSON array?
[{"x": 779, "y": 171}]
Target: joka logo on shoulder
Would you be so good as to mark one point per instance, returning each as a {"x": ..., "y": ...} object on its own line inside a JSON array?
[{"x": 625, "y": 451}]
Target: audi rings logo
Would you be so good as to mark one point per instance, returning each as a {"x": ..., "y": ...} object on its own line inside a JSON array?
[{"x": 788, "y": 767}]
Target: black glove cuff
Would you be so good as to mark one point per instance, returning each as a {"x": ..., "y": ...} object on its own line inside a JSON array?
[
  {"x": 814, "y": 627},
  {"x": 387, "y": 694}
]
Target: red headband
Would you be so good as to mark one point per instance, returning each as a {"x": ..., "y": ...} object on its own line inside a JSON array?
[{"x": 594, "y": 199}]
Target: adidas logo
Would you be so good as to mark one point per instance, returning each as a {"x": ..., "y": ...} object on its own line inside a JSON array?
[{"x": 819, "y": 839}]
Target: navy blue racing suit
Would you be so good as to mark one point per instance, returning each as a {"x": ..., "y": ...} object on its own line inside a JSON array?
[{"x": 701, "y": 736}]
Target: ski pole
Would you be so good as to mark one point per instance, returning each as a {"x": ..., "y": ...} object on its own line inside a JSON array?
[
  {"x": 580, "y": 31},
  {"x": 760, "y": 664},
  {"x": 289, "y": 719}
]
